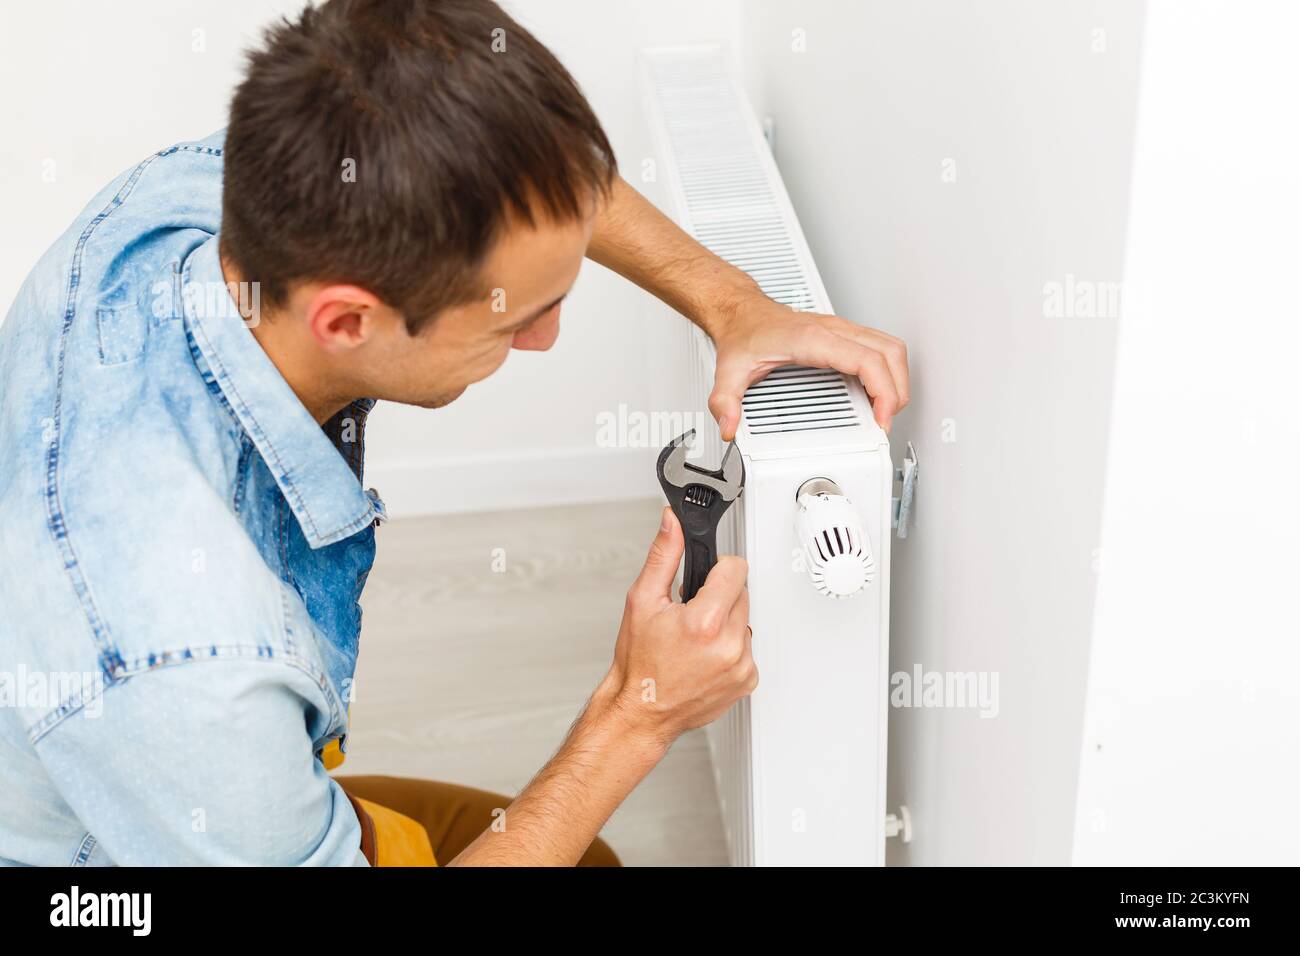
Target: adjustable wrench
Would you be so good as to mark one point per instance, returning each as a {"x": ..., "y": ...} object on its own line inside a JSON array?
[{"x": 699, "y": 497}]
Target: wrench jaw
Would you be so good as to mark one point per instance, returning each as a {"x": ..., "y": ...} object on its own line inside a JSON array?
[
  {"x": 699, "y": 497},
  {"x": 672, "y": 462},
  {"x": 726, "y": 481},
  {"x": 733, "y": 473}
]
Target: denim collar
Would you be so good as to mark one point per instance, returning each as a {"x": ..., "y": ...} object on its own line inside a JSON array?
[{"x": 315, "y": 479}]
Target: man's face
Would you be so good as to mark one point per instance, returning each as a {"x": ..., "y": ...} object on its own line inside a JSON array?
[{"x": 527, "y": 275}]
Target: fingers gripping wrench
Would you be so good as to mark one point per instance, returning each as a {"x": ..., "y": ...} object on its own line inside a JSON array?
[{"x": 699, "y": 497}]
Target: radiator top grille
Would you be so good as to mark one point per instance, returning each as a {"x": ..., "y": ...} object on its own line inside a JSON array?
[
  {"x": 735, "y": 210},
  {"x": 795, "y": 398},
  {"x": 730, "y": 200}
]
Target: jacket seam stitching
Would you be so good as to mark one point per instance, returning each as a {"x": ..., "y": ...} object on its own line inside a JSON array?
[
  {"x": 263, "y": 441},
  {"x": 85, "y": 849},
  {"x": 55, "y": 518},
  {"x": 282, "y": 536},
  {"x": 258, "y": 434},
  {"x": 155, "y": 662},
  {"x": 212, "y": 387},
  {"x": 242, "y": 468}
]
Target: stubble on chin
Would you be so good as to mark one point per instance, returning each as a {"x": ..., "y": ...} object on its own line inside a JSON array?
[{"x": 439, "y": 401}]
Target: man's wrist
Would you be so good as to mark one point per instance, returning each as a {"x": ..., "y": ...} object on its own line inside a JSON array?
[
  {"x": 725, "y": 300},
  {"x": 611, "y": 719},
  {"x": 558, "y": 814}
]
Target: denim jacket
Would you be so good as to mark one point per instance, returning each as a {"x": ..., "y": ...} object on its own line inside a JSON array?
[{"x": 182, "y": 549}]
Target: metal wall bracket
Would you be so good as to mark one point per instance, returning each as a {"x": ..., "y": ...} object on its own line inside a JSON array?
[{"x": 906, "y": 476}]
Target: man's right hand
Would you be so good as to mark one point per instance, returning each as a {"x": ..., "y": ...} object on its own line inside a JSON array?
[
  {"x": 676, "y": 667},
  {"x": 680, "y": 666}
]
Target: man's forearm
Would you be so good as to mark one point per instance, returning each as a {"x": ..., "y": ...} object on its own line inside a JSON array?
[
  {"x": 555, "y": 818},
  {"x": 640, "y": 243}
]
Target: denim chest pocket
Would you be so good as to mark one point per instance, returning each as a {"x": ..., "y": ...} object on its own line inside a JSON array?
[{"x": 123, "y": 333}]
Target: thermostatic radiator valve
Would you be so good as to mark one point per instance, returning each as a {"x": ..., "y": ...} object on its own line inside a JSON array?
[{"x": 835, "y": 546}]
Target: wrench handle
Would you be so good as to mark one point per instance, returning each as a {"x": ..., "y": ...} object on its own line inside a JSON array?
[{"x": 701, "y": 556}]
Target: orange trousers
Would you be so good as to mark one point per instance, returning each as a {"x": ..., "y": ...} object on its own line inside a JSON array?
[{"x": 452, "y": 816}]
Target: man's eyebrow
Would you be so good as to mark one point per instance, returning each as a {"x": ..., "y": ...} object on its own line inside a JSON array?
[{"x": 534, "y": 316}]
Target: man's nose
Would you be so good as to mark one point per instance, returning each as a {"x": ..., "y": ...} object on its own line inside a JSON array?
[{"x": 539, "y": 336}]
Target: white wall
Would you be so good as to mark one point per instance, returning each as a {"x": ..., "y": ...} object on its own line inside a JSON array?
[
  {"x": 1190, "y": 748},
  {"x": 95, "y": 87},
  {"x": 997, "y": 573}
]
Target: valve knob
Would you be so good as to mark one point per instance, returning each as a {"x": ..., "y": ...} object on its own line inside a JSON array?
[{"x": 835, "y": 546}]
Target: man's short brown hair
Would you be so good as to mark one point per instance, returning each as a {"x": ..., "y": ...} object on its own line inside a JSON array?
[{"x": 385, "y": 142}]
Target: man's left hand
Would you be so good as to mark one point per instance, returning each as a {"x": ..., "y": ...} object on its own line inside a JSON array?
[{"x": 762, "y": 335}]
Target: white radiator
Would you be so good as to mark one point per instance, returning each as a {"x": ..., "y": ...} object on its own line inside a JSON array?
[{"x": 800, "y": 766}]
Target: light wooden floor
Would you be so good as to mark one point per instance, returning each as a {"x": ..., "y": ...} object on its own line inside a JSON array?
[{"x": 473, "y": 675}]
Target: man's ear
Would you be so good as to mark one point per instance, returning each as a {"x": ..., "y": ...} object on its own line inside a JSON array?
[{"x": 342, "y": 317}]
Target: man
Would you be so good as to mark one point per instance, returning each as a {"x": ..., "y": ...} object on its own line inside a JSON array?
[{"x": 184, "y": 379}]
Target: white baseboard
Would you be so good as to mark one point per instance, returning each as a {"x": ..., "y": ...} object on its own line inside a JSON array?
[{"x": 527, "y": 479}]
